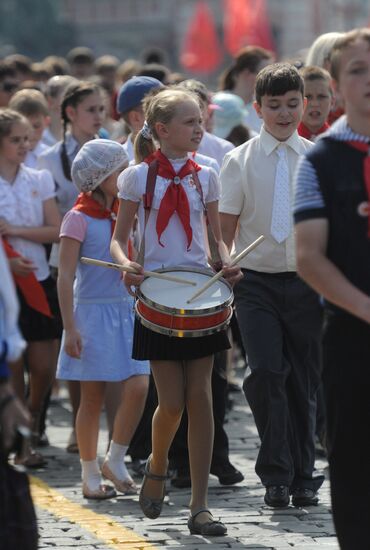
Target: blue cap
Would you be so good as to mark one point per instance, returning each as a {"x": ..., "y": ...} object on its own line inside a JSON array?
[{"x": 134, "y": 90}]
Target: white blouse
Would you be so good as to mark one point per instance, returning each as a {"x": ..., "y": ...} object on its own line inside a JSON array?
[
  {"x": 132, "y": 186},
  {"x": 21, "y": 203}
]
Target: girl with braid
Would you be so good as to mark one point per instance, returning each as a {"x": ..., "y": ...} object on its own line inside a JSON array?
[{"x": 82, "y": 113}]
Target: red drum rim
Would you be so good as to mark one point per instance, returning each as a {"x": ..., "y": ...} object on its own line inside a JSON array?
[{"x": 185, "y": 326}]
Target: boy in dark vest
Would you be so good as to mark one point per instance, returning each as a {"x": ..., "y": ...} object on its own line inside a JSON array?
[{"x": 332, "y": 208}]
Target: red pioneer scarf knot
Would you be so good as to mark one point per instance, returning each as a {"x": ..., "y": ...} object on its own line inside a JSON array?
[{"x": 175, "y": 198}]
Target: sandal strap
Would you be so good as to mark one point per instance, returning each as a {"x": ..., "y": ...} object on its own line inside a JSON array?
[
  {"x": 155, "y": 477},
  {"x": 200, "y": 511}
]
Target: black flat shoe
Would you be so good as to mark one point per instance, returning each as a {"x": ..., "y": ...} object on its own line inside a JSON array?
[
  {"x": 152, "y": 507},
  {"x": 304, "y": 497},
  {"x": 211, "y": 528},
  {"x": 277, "y": 496},
  {"x": 227, "y": 474}
]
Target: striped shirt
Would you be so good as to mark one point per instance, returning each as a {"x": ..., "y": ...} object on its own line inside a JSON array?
[{"x": 308, "y": 195}]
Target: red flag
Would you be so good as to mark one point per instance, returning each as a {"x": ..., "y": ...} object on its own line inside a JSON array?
[
  {"x": 246, "y": 22},
  {"x": 201, "y": 51}
]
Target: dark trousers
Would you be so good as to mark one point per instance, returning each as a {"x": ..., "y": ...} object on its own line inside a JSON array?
[
  {"x": 346, "y": 379},
  {"x": 141, "y": 443},
  {"x": 220, "y": 456},
  {"x": 280, "y": 321}
]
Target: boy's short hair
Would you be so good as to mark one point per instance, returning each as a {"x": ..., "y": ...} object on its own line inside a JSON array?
[
  {"x": 347, "y": 40},
  {"x": 29, "y": 102},
  {"x": 106, "y": 63},
  {"x": 197, "y": 88},
  {"x": 312, "y": 72},
  {"x": 80, "y": 54},
  {"x": 278, "y": 79},
  {"x": 56, "y": 85},
  {"x": 133, "y": 92}
]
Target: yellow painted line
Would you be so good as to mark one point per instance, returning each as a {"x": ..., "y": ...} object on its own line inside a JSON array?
[{"x": 101, "y": 526}]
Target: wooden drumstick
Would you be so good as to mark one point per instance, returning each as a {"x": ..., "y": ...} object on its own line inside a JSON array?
[
  {"x": 120, "y": 267},
  {"x": 234, "y": 261}
]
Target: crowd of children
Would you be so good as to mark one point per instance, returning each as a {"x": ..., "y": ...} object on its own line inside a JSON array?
[{"x": 141, "y": 173}]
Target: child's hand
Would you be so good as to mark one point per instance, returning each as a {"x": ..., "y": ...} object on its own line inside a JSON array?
[
  {"x": 232, "y": 274},
  {"x": 7, "y": 229},
  {"x": 21, "y": 266},
  {"x": 133, "y": 279},
  {"x": 73, "y": 343}
]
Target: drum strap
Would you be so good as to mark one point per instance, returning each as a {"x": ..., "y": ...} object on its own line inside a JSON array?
[{"x": 147, "y": 204}]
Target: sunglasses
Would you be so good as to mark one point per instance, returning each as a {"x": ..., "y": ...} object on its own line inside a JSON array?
[{"x": 9, "y": 87}]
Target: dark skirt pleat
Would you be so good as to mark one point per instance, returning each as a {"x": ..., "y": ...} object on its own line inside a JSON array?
[{"x": 151, "y": 345}]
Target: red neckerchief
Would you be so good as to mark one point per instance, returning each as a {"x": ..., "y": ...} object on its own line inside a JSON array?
[
  {"x": 88, "y": 205},
  {"x": 29, "y": 286},
  {"x": 364, "y": 148},
  {"x": 175, "y": 198},
  {"x": 303, "y": 131},
  {"x": 334, "y": 115}
]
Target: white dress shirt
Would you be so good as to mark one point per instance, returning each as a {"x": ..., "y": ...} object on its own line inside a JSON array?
[{"x": 247, "y": 190}]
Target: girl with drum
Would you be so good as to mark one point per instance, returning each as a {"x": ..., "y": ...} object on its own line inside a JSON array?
[
  {"x": 98, "y": 320},
  {"x": 174, "y": 236}
]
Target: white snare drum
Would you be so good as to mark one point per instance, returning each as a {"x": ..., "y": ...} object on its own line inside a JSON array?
[{"x": 162, "y": 305}]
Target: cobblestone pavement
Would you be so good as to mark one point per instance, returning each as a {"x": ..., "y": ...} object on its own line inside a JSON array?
[{"x": 67, "y": 521}]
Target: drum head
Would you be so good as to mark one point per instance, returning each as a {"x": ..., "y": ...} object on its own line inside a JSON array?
[{"x": 172, "y": 297}]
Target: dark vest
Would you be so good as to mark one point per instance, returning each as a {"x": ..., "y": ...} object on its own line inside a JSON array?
[{"x": 339, "y": 168}]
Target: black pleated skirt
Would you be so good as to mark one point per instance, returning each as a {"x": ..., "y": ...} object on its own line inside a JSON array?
[
  {"x": 150, "y": 345},
  {"x": 34, "y": 325}
]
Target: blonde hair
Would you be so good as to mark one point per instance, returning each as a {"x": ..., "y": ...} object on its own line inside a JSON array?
[
  {"x": 320, "y": 50},
  {"x": 346, "y": 41},
  {"x": 29, "y": 103},
  {"x": 160, "y": 106},
  {"x": 9, "y": 117}
]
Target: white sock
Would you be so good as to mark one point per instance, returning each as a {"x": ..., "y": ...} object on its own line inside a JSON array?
[
  {"x": 91, "y": 474},
  {"x": 116, "y": 460}
]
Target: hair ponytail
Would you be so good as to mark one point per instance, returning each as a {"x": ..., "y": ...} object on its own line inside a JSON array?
[{"x": 143, "y": 147}]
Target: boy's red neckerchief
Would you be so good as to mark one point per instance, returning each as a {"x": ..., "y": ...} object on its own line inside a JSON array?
[{"x": 303, "y": 131}]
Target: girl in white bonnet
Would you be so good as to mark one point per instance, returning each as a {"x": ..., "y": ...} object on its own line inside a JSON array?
[{"x": 98, "y": 320}]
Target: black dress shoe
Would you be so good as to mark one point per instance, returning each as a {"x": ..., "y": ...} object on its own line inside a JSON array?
[
  {"x": 304, "y": 497},
  {"x": 277, "y": 496},
  {"x": 181, "y": 479},
  {"x": 227, "y": 474}
]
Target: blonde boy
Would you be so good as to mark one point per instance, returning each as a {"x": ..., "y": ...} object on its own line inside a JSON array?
[
  {"x": 33, "y": 105},
  {"x": 319, "y": 95},
  {"x": 332, "y": 208}
]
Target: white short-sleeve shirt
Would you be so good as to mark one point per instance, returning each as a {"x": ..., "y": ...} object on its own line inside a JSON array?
[
  {"x": 21, "y": 203},
  {"x": 132, "y": 186}
]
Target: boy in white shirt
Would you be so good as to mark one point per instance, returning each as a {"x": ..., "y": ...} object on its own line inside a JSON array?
[
  {"x": 33, "y": 105},
  {"x": 279, "y": 316}
]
